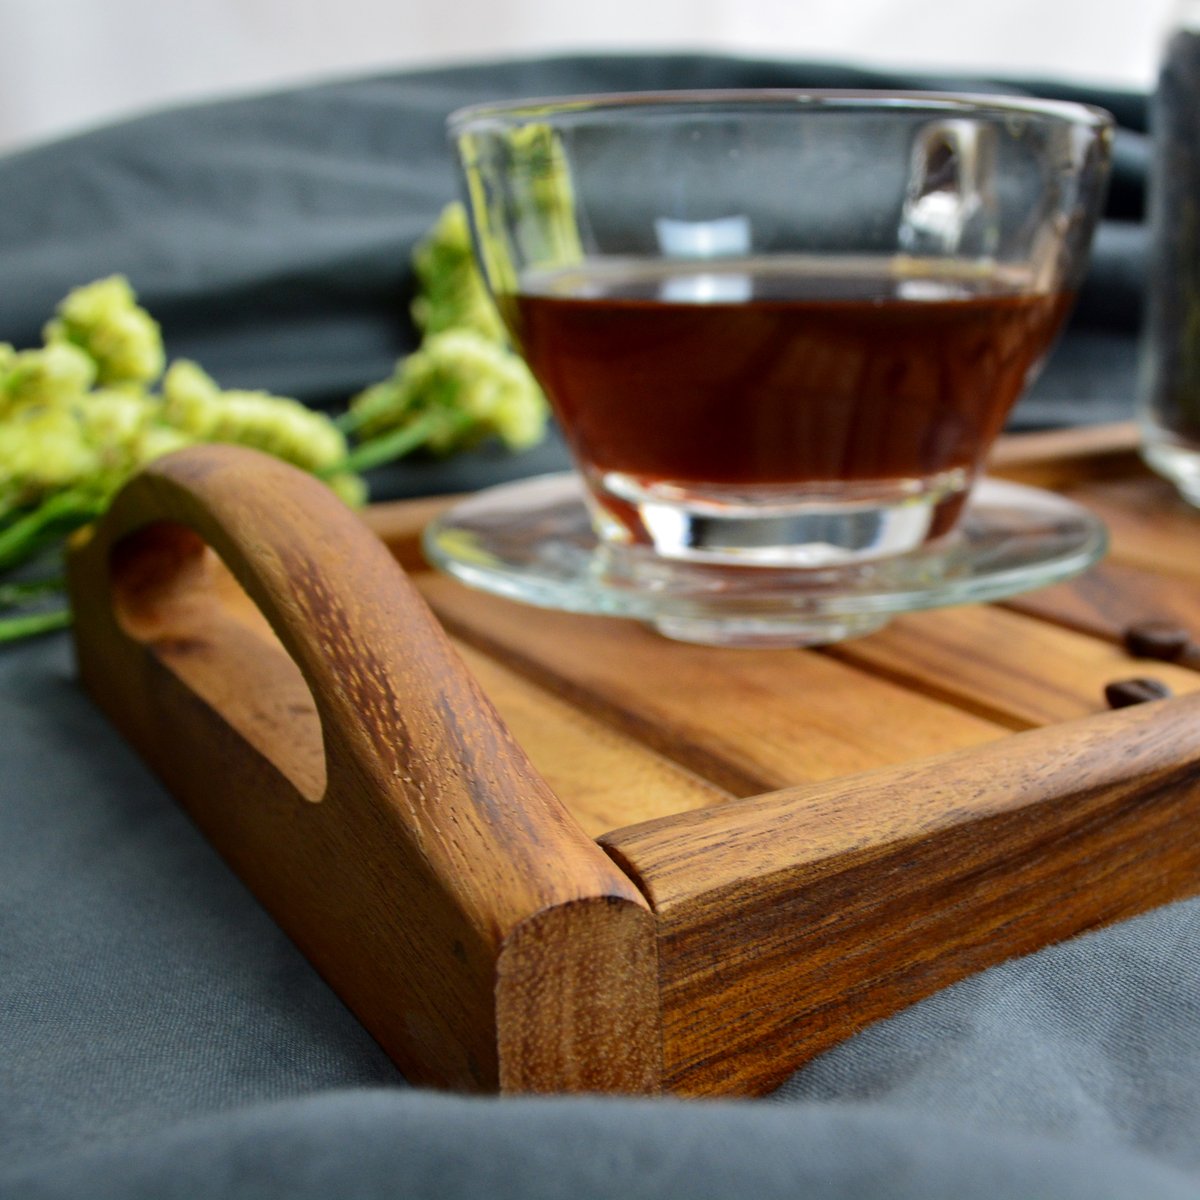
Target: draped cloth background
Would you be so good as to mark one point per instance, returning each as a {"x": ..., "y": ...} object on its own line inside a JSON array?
[{"x": 159, "y": 1036}]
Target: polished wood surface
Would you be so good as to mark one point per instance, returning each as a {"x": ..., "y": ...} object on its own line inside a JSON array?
[
  {"x": 356, "y": 776},
  {"x": 791, "y": 842},
  {"x": 1005, "y": 666},
  {"x": 749, "y": 720},
  {"x": 856, "y": 897}
]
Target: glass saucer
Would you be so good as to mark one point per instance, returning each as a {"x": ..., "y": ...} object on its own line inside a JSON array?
[{"x": 533, "y": 541}]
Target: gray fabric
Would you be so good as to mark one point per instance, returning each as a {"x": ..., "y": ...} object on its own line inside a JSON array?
[
  {"x": 160, "y": 1037},
  {"x": 389, "y": 1145}
]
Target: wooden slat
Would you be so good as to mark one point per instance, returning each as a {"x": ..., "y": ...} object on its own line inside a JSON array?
[
  {"x": 399, "y": 524},
  {"x": 1012, "y": 669},
  {"x": 604, "y": 777},
  {"x": 1062, "y": 458},
  {"x": 747, "y": 720},
  {"x": 1150, "y": 526},
  {"x": 788, "y": 921},
  {"x": 1154, "y": 559},
  {"x": 1106, "y": 600}
]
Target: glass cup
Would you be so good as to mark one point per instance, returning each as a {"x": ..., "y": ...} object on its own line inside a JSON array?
[
  {"x": 781, "y": 329},
  {"x": 1169, "y": 393}
]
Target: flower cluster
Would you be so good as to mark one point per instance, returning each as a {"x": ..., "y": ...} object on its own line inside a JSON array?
[
  {"x": 97, "y": 401},
  {"x": 464, "y": 384},
  {"x": 79, "y": 413}
]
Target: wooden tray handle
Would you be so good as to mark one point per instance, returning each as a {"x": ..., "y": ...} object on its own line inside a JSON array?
[{"x": 438, "y": 883}]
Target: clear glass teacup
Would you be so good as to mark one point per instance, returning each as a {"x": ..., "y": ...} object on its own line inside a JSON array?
[{"x": 782, "y": 329}]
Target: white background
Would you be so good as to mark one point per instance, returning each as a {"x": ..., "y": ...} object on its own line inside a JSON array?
[{"x": 68, "y": 64}]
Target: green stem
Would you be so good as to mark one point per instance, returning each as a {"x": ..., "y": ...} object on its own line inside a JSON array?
[
  {"x": 12, "y": 629},
  {"x": 21, "y": 540},
  {"x": 12, "y": 594},
  {"x": 349, "y": 421},
  {"x": 389, "y": 446}
]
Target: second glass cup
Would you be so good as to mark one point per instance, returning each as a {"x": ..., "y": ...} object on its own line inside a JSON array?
[{"x": 782, "y": 328}]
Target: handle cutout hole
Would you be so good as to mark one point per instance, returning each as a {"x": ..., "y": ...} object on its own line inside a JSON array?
[{"x": 175, "y": 595}]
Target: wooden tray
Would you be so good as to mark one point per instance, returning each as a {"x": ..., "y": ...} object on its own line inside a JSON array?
[{"x": 685, "y": 869}]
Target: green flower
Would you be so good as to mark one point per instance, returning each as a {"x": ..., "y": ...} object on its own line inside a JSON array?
[
  {"x": 464, "y": 389},
  {"x": 53, "y": 376},
  {"x": 104, "y": 320},
  {"x": 190, "y": 399},
  {"x": 77, "y": 418},
  {"x": 451, "y": 293},
  {"x": 153, "y": 441},
  {"x": 43, "y": 450},
  {"x": 113, "y": 420},
  {"x": 195, "y": 405}
]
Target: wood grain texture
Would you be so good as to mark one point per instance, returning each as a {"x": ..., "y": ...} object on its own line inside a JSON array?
[
  {"x": 747, "y": 720},
  {"x": 1010, "y": 668},
  {"x": 858, "y": 896},
  {"x": 1150, "y": 572},
  {"x": 435, "y": 857},
  {"x": 605, "y": 778},
  {"x": 1106, "y": 600},
  {"x": 1149, "y": 525},
  {"x": 390, "y": 803}
]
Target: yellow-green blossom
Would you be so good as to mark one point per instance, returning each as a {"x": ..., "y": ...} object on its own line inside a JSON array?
[
  {"x": 52, "y": 376},
  {"x": 278, "y": 426},
  {"x": 451, "y": 293},
  {"x": 153, "y": 441},
  {"x": 467, "y": 387},
  {"x": 544, "y": 196},
  {"x": 194, "y": 404},
  {"x": 104, "y": 320},
  {"x": 351, "y": 489},
  {"x": 190, "y": 399},
  {"x": 41, "y": 451},
  {"x": 113, "y": 420}
]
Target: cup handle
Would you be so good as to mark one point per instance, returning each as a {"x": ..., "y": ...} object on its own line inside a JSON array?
[{"x": 950, "y": 205}]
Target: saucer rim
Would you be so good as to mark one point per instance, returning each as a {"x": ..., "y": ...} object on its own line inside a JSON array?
[{"x": 585, "y": 591}]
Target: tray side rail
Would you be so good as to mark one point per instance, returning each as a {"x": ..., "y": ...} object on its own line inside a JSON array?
[
  {"x": 381, "y": 812},
  {"x": 789, "y": 920}
]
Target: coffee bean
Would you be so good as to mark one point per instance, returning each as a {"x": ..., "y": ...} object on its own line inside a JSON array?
[
  {"x": 1121, "y": 693},
  {"x": 1157, "y": 639}
]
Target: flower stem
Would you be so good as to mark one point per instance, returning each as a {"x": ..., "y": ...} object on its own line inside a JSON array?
[
  {"x": 388, "y": 446},
  {"x": 12, "y": 594},
  {"x": 27, "y": 534},
  {"x": 30, "y": 625}
]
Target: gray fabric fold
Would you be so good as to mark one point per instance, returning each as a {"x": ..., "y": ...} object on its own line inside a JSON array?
[{"x": 424, "y": 1147}]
